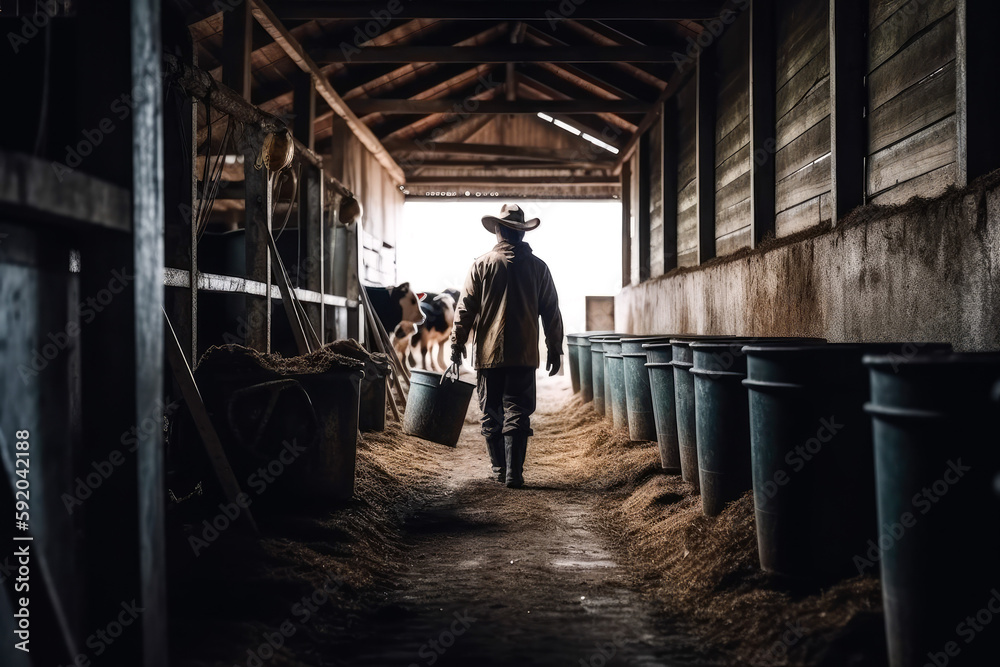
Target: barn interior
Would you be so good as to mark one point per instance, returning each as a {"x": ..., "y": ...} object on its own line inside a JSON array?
[{"x": 218, "y": 425}]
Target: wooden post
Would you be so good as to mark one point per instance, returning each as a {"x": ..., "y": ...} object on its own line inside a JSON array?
[
  {"x": 848, "y": 101},
  {"x": 642, "y": 206},
  {"x": 304, "y": 109},
  {"x": 978, "y": 93},
  {"x": 763, "y": 120},
  {"x": 626, "y": 223},
  {"x": 257, "y": 226},
  {"x": 671, "y": 149},
  {"x": 705, "y": 153},
  {"x": 237, "y": 46},
  {"x": 311, "y": 219}
]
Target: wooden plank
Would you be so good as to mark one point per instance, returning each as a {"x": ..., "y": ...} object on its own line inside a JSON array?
[
  {"x": 929, "y": 185},
  {"x": 237, "y": 45},
  {"x": 763, "y": 119},
  {"x": 734, "y": 241},
  {"x": 705, "y": 154},
  {"x": 733, "y": 103},
  {"x": 804, "y": 184},
  {"x": 881, "y": 10},
  {"x": 687, "y": 198},
  {"x": 914, "y": 109},
  {"x": 808, "y": 148},
  {"x": 804, "y": 83},
  {"x": 294, "y": 50},
  {"x": 737, "y": 165},
  {"x": 929, "y": 53},
  {"x": 926, "y": 151},
  {"x": 802, "y": 34},
  {"x": 489, "y": 179},
  {"x": 848, "y": 122},
  {"x": 364, "y": 106},
  {"x": 735, "y": 192},
  {"x": 687, "y": 258},
  {"x": 806, "y": 114},
  {"x": 735, "y": 141},
  {"x": 733, "y": 218},
  {"x": 804, "y": 216},
  {"x": 509, "y": 10},
  {"x": 892, "y": 36}
]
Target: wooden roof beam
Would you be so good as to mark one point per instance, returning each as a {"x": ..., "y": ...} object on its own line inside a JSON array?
[
  {"x": 461, "y": 106},
  {"x": 499, "y": 53},
  {"x": 518, "y": 10},
  {"x": 291, "y": 46},
  {"x": 494, "y": 180}
]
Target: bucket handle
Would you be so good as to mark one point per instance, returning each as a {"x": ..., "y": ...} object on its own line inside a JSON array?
[{"x": 454, "y": 368}]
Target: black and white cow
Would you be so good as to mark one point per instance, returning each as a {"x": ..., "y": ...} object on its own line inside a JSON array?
[
  {"x": 435, "y": 331},
  {"x": 393, "y": 305}
]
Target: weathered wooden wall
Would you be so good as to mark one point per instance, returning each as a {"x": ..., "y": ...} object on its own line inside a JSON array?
[
  {"x": 687, "y": 181},
  {"x": 912, "y": 90},
  {"x": 732, "y": 139},
  {"x": 802, "y": 140}
]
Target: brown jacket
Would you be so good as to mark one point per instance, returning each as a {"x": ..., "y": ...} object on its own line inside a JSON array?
[{"x": 506, "y": 291}]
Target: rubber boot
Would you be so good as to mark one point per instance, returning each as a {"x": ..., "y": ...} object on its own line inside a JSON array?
[
  {"x": 516, "y": 445},
  {"x": 498, "y": 458}
]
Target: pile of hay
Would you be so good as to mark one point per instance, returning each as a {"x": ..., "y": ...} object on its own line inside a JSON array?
[{"x": 704, "y": 571}]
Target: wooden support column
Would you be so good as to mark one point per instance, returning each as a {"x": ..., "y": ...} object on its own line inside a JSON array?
[
  {"x": 670, "y": 151},
  {"x": 237, "y": 46},
  {"x": 705, "y": 153},
  {"x": 763, "y": 120},
  {"x": 642, "y": 240},
  {"x": 978, "y": 93},
  {"x": 626, "y": 177},
  {"x": 148, "y": 254},
  {"x": 848, "y": 102},
  {"x": 304, "y": 109},
  {"x": 258, "y": 258}
]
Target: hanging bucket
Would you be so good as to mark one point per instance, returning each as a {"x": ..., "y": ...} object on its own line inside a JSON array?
[
  {"x": 808, "y": 434},
  {"x": 722, "y": 418},
  {"x": 661, "y": 386},
  {"x": 638, "y": 397},
  {"x": 597, "y": 373},
  {"x": 436, "y": 411},
  {"x": 936, "y": 455}
]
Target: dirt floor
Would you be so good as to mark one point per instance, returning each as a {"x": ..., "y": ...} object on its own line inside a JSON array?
[{"x": 600, "y": 559}]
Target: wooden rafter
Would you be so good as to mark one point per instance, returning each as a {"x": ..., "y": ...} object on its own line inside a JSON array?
[
  {"x": 463, "y": 106},
  {"x": 504, "y": 53},
  {"x": 521, "y": 10}
]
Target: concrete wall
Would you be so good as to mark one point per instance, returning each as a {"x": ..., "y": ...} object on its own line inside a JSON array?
[{"x": 925, "y": 271}]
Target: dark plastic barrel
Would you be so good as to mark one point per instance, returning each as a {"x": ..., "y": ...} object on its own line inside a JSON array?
[
  {"x": 722, "y": 418},
  {"x": 936, "y": 454},
  {"x": 638, "y": 397},
  {"x": 808, "y": 434},
  {"x": 436, "y": 411},
  {"x": 661, "y": 386},
  {"x": 614, "y": 374},
  {"x": 598, "y": 381}
]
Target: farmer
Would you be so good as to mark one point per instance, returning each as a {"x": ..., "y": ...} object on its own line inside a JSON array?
[{"x": 507, "y": 290}]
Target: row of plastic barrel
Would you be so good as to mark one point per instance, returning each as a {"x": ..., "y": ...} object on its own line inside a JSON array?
[{"x": 863, "y": 458}]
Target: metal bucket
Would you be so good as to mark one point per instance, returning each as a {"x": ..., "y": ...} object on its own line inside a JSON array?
[
  {"x": 598, "y": 380},
  {"x": 808, "y": 434},
  {"x": 573, "y": 353},
  {"x": 436, "y": 411},
  {"x": 586, "y": 374},
  {"x": 687, "y": 440},
  {"x": 372, "y": 414},
  {"x": 661, "y": 385},
  {"x": 615, "y": 371},
  {"x": 722, "y": 418},
  {"x": 935, "y": 432},
  {"x": 638, "y": 398}
]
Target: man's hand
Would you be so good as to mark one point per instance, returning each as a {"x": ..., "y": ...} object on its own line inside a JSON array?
[
  {"x": 553, "y": 363},
  {"x": 457, "y": 352}
]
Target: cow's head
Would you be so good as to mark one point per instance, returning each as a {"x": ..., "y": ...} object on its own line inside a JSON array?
[{"x": 408, "y": 303}]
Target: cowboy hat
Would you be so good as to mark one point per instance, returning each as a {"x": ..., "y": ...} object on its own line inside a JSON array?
[{"x": 511, "y": 216}]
